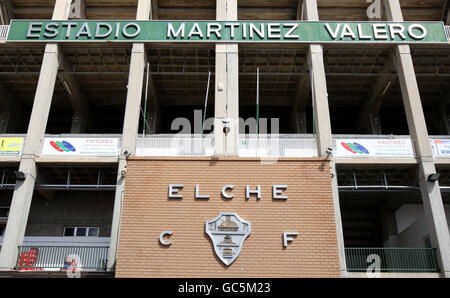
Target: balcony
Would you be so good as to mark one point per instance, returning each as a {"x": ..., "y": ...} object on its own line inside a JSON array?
[
  {"x": 249, "y": 145},
  {"x": 391, "y": 259},
  {"x": 175, "y": 145},
  {"x": 347, "y": 148},
  {"x": 60, "y": 258}
]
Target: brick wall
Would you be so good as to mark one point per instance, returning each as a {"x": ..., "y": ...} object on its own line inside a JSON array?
[{"x": 147, "y": 211}]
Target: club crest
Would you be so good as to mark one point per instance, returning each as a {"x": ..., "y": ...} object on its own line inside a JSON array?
[{"x": 227, "y": 232}]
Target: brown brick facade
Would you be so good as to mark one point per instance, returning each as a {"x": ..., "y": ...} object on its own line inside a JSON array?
[{"x": 147, "y": 211}]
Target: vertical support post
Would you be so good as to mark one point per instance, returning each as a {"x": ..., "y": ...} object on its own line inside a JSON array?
[
  {"x": 23, "y": 192},
  {"x": 322, "y": 121},
  {"x": 130, "y": 126},
  {"x": 226, "y": 87},
  {"x": 431, "y": 195}
]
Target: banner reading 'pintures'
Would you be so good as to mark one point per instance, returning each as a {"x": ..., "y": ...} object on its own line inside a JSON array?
[
  {"x": 220, "y": 31},
  {"x": 80, "y": 147}
]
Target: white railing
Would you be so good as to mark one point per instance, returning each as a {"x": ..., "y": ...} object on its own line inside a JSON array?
[
  {"x": 4, "y": 32},
  {"x": 171, "y": 145},
  {"x": 281, "y": 145},
  {"x": 277, "y": 146},
  {"x": 447, "y": 32}
]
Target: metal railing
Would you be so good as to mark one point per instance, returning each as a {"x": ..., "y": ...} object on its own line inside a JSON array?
[
  {"x": 170, "y": 145},
  {"x": 391, "y": 259},
  {"x": 447, "y": 32},
  {"x": 4, "y": 32},
  {"x": 277, "y": 146},
  {"x": 60, "y": 257}
]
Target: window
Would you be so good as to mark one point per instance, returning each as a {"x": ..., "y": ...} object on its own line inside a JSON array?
[
  {"x": 93, "y": 232},
  {"x": 2, "y": 230},
  {"x": 81, "y": 232},
  {"x": 69, "y": 231}
]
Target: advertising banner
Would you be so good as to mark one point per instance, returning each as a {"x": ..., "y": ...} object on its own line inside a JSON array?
[
  {"x": 374, "y": 148},
  {"x": 11, "y": 146},
  {"x": 441, "y": 148},
  {"x": 80, "y": 146}
]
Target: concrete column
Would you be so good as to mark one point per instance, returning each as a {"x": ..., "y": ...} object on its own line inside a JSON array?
[
  {"x": 77, "y": 10},
  {"x": 322, "y": 121},
  {"x": 431, "y": 195},
  {"x": 130, "y": 126},
  {"x": 226, "y": 87},
  {"x": 23, "y": 192}
]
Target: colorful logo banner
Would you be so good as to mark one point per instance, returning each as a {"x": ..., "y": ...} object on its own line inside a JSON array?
[
  {"x": 374, "y": 148},
  {"x": 441, "y": 148},
  {"x": 81, "y": 146},
  {"x": 11, "y": 146}
]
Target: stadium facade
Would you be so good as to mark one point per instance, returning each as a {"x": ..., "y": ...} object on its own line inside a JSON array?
[{"x": 225, "y": 138}]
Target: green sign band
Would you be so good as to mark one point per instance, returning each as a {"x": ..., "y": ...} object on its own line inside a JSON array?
[{"x": 239, "y": 32}]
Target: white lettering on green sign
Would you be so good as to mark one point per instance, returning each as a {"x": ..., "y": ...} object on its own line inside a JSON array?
[{"x": 218, "y": 31}]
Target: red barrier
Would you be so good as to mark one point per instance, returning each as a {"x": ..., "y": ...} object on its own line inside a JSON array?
[{"x": 28, "y": 259}]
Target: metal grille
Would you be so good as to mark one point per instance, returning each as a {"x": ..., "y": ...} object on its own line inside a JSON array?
[
  {"x": 60, "y": 257},
  {"x": 391, "y": 259},
  {"x": 447, "y": 32},
  {"x": 4, "y": 31},
  {"x": 175, "y": 146},
  {"x": 273, "y": 146}
]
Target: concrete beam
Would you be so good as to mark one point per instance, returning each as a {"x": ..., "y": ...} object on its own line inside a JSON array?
[
  {"x": 78, "y": 10},
  {"x": 155, "y": 9},
  {"x": 23, "y": 192},
  {"x": 81, "y": 119},
  {"x": 6, "y": 12},
  {"x": 369, "y": 118},
  {"x": 130, "y": 126},
  {"x": 322, "y": 123},
  {"x": 226, "y": 101},
  {"x": 298, "y": 118},
  {"x": 152, "y": 117},
  {"x": 431, "y": 195}
]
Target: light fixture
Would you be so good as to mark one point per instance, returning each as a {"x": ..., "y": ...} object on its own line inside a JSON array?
[
  {"x": 127, "y": 154},
  {"x": 329, "y": 151},
  {"x": 123, "y": 173},
  {"x": 226, "y": 125},
  {"x": 433, "y": 177},
  {"x": 19, "y": 175}
]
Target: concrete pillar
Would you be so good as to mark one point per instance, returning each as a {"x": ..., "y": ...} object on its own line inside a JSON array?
[
  {"x": 322, "y": 121},
  {"x": 77, "y": 10},
  {"x": 23, "y": 192},
  {"x": 226, "y": 87},
  {"x": 130, "y": 126},
  {"x": 431, "y": 195}
]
